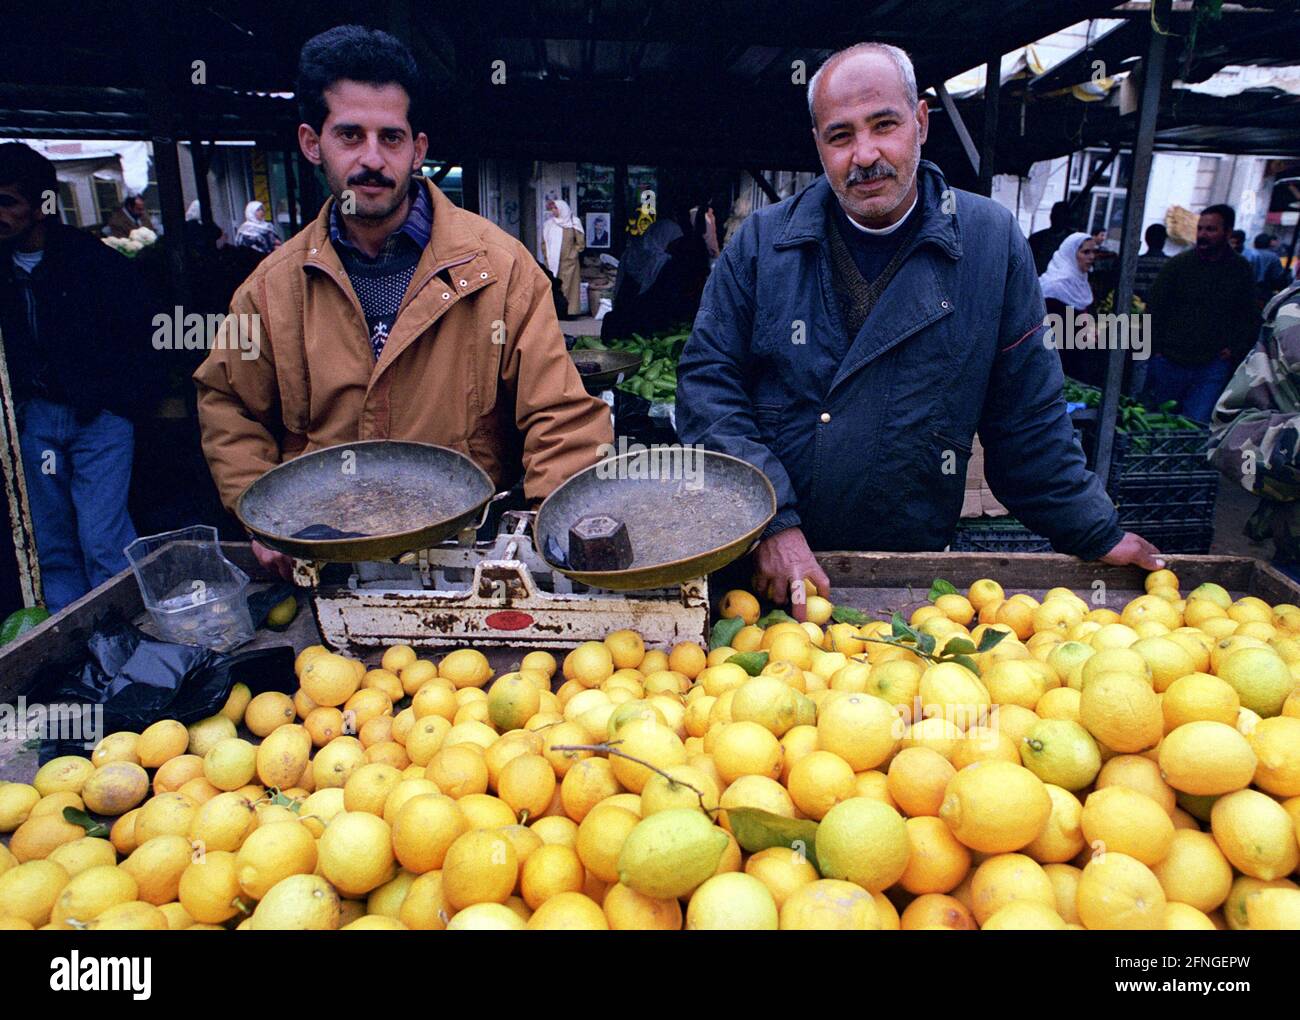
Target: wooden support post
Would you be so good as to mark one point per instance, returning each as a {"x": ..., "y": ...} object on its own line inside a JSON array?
[{"x": 1153, "y": 73}]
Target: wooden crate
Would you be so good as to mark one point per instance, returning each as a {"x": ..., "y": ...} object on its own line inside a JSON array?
[
  {"x": 879, "y": 581},
  {"x": 866, "y": 580}
]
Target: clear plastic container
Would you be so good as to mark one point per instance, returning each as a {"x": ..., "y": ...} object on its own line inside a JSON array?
[{"x": 195, "y": 595}]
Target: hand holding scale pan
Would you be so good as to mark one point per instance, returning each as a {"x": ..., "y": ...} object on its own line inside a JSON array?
[{"x": 365, "y": 501}]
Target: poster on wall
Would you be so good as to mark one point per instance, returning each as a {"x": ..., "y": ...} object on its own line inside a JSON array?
[{"x": 597, "y": 226}]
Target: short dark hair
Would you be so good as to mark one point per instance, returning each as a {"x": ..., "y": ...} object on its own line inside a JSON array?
[
  {"x": 1224, "y": 212},
  {"x": 1060, "y": 214},
  {"x": 1239, "y": 235},
  {"x": 354, "y": 53},
  {"x": 25, "y": 169},
  {"x": 1263, "y": 240},
  {"x": 1156, "y": 235}
]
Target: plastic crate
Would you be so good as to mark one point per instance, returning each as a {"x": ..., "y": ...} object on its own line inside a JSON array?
[
  {"x": 1177, "y": 499},
  {"x": 1163, "y": 453},
  {"x": 997, "y": 535},
  {"x": 1179, "y": 536}
]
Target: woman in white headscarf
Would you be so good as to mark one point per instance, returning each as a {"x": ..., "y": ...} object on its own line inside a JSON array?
[
  {"x": 255, "y": 232},
  {"x": 1065, "y": 286},
  {"x": 562, "y": 240}
]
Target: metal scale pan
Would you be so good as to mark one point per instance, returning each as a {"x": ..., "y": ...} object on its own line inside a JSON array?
[
  {"x": 679, "y": 527},
  {"x": 370, "y": 500},
  {"x": 612, "y": 367}
]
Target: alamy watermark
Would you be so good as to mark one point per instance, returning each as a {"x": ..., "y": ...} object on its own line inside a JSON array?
[
  {"x": 179, "y": 331},
  {"x": 1083, "y": 331},
  {"x": 636, "y": 461},
  {"x": 79, "y": 722}
]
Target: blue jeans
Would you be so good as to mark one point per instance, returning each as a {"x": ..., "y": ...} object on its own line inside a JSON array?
[
  {"x": 77, "y": 481},
  {"x": 1196, "y": 388}
]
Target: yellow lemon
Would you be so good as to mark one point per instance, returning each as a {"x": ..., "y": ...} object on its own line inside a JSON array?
[
  {"x": 1118, "y": 892},
  {"x": 1062, "y": 838},
  {"x": 1117, "y": 819},
  {"x": 818, "y": 781},
  {"x": 738, "y": 604},
  {"x": 829, "y": 905},
  {"x": 1260, "y": 677},
  {"x": 591, "y": 663},
  {"x": 1008, "y": 878},
  {"x": 860, "y": 728},
  {"x": 652, "y": 743},
  {"x": 733, "y": 901},
  {"x": 1276, "y": 743},
  {"x": 863, "y": 841},
  {"x": 1199, "y": 697},
  {"x": 601, "y": 836},
  {"x": 938, "y": 861},
  {"x": 995, "y": 807},
  {"x": 1207, "y": 758},
  {"x": 1122, "y": 712},
  {"x": 466, "y": 668},
  {"x": 356, "y": 852},
  {"x": 743, "y": 749},
  {"x": 1256, "y": 834},
  {"x": 549, "y": 871},
  {"x": 1195, "y": 871}
]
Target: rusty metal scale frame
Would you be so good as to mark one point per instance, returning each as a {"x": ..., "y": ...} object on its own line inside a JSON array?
[{"x": 502, "y": 604}]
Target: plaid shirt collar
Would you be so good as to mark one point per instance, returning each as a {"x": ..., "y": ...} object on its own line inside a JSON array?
[{"x": 416, "y": 228}]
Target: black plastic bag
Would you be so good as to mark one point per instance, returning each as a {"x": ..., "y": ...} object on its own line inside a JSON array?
[{"x": 137, "y": 680}]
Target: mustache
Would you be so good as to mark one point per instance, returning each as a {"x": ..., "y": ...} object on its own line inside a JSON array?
[
  {"x": 372, "y": 178},
  {"x": 865, "y": 175}
]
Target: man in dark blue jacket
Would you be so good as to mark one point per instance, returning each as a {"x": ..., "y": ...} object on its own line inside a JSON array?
[
  {"x": 76, "y": 324},
  {"x": 853, "y": 339}
]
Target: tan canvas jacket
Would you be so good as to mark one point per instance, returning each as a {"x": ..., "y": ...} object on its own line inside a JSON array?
[{"x": 475, "y": 361}]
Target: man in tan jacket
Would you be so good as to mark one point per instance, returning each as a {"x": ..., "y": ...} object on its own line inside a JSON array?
[{"x": 395, "y": 314}]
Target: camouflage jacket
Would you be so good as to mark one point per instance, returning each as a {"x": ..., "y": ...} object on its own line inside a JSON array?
[{"x": 1255, "y": 432}]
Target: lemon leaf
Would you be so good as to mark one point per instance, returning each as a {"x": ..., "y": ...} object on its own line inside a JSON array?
[
  {"x": 776, "y": 616},
  {"x": 925, "y": 643},
  {"x": 92, "y": 827},
  {"x": 990, "y": 638},
  {"x": 751, "y": 662},
  {"x": 724, "y": 631},
  {"x": 757, "y": 830},
  {"x": 940, "y": 587},
  {"x": 847, "y": 614},
  {"x": 967, "y": 661},
  {"x": 900, "y": 627},
  {"x": 959, "y": 646}
]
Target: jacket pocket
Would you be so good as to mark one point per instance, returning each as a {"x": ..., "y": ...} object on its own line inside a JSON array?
[{"x": 952, "y": 457}]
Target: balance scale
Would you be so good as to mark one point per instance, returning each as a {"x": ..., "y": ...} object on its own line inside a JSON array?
[{"x": 497, "y": 593}]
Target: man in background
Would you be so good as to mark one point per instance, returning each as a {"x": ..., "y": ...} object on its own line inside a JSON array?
[
  {"x": 130, "y": 214},
  {"x": 1270, "y": 274},
  {"x": 1043, "y": 243},
  {"x": 77, "y": 336},
  {"x": 1151, "y": 261},
  {"x": 1203, "y": 316}
]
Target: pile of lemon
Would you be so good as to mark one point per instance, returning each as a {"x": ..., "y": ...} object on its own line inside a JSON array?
[{"x": 1103, "y": 769}]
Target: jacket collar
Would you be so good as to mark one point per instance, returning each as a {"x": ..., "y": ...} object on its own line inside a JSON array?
[
  {"x": 451, "y": 236},
  {"x": 806, "y": 218}
]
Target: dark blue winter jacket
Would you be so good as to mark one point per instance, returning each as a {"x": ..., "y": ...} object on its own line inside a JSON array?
[{"x": 870, "y": 451}]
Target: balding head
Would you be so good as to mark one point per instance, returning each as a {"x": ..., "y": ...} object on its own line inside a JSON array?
[
  {"x": 869, "y": 126},
  {"x": 874, "y": 52}
]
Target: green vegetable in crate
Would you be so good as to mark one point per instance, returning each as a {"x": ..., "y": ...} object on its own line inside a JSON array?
[{"x": 21, "y": 621}]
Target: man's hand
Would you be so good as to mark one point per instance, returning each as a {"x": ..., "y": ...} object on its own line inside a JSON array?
[
  {"x": 1135, "y": 549},
  {"x": 272, "y": 561},
  {"x": 780, "y": 565}
]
